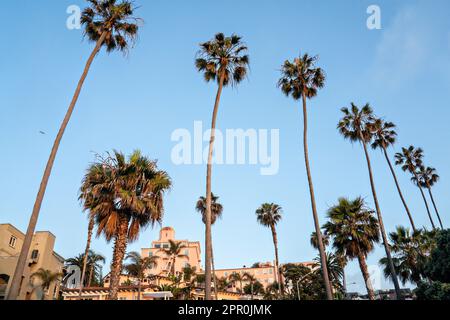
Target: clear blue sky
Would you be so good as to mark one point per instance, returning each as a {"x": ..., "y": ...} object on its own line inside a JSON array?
[{"x": 136, "y": 102}]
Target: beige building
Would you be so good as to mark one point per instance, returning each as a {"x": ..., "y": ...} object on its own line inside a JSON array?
[
  {"x": 41, "y": 255},
  {"x": 189, "y": 255}
]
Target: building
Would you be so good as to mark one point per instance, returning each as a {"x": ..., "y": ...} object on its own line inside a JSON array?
[
  {"x": 190, "y": 254},
  {"x": 41, "y": 255}
]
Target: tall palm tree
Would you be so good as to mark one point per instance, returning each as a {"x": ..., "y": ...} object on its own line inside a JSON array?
[
  {"x": 110, "y": 24},
  {"x": 236, "y": 277},
  {"x": 268, "y": 215},
  {"x": 216, "y": 212},
  {"x": 173, "y": 252},
  {"x": 77, "y": 261},
  {"x": 125, "y": 196},
  {"x": 315, "y": 243},
  {"x": 46, "y": 278},
  {"x": 86, "y": 253},
  {"x": 355, "y": 126},
  {"x": 384, "y": 137},
  {"x": 410, "y": 159},
  {"x": 428, "y": 177},
  {"x": 221, "y": 59},
  {"x": 411, "y": 251},
  {"x": 95, "y": 261},
  {"x": 138, "y": 266},
  {"x": 354, "y": 230},
  {"x": 301, "y": 79}
]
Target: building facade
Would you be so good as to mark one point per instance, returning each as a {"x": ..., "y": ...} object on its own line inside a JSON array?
[
  {"x": 41, "y": 255},
  {"x": 190, "y": 254}
]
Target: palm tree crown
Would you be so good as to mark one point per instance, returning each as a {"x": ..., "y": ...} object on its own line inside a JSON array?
[
  {"x": 409, "y": 159},
  {"x": 353, "y": 227},
  {"x": 301, "y": 77},
  {"x": 223, "y": 57},
  {"x": 139, "y": 265},
  {"x": 216, "y": 208},
  {"x": 384, "y": 134},
  {"x": 356, "y": 123},
  {"x": 269, "y": 214},
  {"x": 113, "y": 18},
  {"x": 427, "y": 176}
]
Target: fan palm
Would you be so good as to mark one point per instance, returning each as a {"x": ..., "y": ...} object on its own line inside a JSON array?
[
  {"x": 384, "y": 137},
  {"x": 268, "y": 215},
  {"x": 354, "y": 231},
  {"x": 216, "y": 212},
  {"x": 236, "y": 277},
  {"x": 335, "y": 269},
  {"x": 110, "y": 24},
  {"x": 428, "y": 177},
  {"x": 356, "y": 126},
  {"x": 221, "y": 59},
  {"x": 411, "y": 251},
  {"x": 251, "y": 280},
  {"x": 124, "y": 196},
  {"x": 138, "y": 266},
  {"x": 174, "y": 252},
  {"x": 86, "y": 254},
  {"x": 95, "y": 261},
  {"x": 410, "y": 159},
  {"x": 46, "y": 278},
  {"x": 301, "y": 79}
]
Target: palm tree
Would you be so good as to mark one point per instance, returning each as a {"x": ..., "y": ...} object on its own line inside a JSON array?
[
  {"x": 125, "y": 196},
  {"x": 411, "y": 251},
  {"x": 268, "y": 215},
  {"x": 384, "y": 137},
  {"x": 77, "y": 261},
  {"x": 109, "y": 24},
  {"x": 427, "y": 178},
  {"x": 315, "y": 243},
  {"x": 86, "y": 253},
  {"x": 301, "y": 79},
  {"x": 46, "y": 278},
  {"x": 216, "y": 212},
  {"x": 236, "y": 277},
  {"x": 174, "y": 252},
  {"x": 356, "y": 126},
  {"x": 410, "y": 159},
  {"x": 221, "y": 59},
  {"x": 95, "y": 259},
  {"x": 188, "y": 273},
  {"x": 354, "y": 230},
  {"x": 138, "y": 266},
  {"x": 251, "y": 279}
]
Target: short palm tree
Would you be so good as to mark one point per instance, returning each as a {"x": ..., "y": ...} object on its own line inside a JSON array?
[
  {"x": 384, "y": 137},
  {"x": 221, "y": 59},
  {"x": 354, "y": 231},
  {"x": 268, "y": 215},
  {"x": 138, "y": 266},
  {"x": 236, "y": 277},
  {"x": 428, "y": 177},
  {"x": 301, "y": 79},
  {"x": 173, "y": 252},
  {"x": 410, "y": 159},
  {"x": 216, "y": 212},
  {"x": 356, "y": 127},
  {"x": 335, "y": 269},
  {"x": 46, "y": 278},
  {"x": 95, "y": 262},
  {"x": 124, "y": 196},
  {"x": 248, "y": 277},
  {"x": 86, "y": 253},
  {"x": 411, "y": 251},
  {"x": 77, "y": 261},
  {"x": 110, "y": 24}
]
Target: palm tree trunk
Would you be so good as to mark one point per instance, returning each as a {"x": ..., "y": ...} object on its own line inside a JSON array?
[
  {"x": 139, "y": 289},
  {"x": 380, "y": 221},
  {"x": 120, "y": 247},
  {"x": 277, "y": 263},
  {"x": 208, "y": 245},
  {"x": 86, "y": 254},
  {"x": 91, "y": 274},
  {"x": 323, "y": 260},
  {"x": 399, "y": 190},
  {"x": 424, "y": 199},
  {"x": 214, "y": 272},
  {"x": 365, "y": 272},
  {"x": 435, "y": 207},
  {"x": 21, "y": 262}
]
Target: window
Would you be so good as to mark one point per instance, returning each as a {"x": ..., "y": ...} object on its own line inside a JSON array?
[
  {"x": 12, "y": 242},
  {"x": 158, "y": 245},
  {"x": 186, "y": 252},
  {"x": 34, "y": 254},
  {"x": 150, "y": 254},
  {"x": 166, "y": 245}
]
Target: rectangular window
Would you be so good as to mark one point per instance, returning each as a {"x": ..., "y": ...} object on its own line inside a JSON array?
[
  {"x": 158, "y": 245},
  {"x": 186, "y": 252},
  {"x": 34, "y": 254},
  {"x": 12, "y": 242}
]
